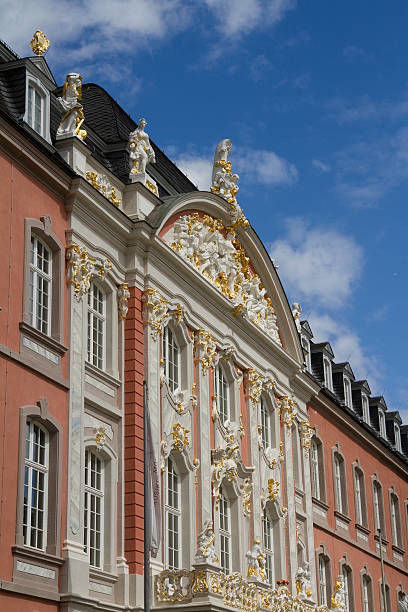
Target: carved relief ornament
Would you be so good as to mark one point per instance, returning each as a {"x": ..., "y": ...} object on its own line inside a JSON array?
[
  {"x": 205, "y": 348},
  {"x": 123, "y": 298},
  {"x": 155, "y": 311},
  {"x": 224, "y": 183},
  {"x": 178, "y": 441},
  {"x": 213, "y": 249},
  {"x": 306, "y": 432},
  {"x": 287, "y": 408},
  {"x": 254, "y": 384},
  {"x": 81, "y": 268}
]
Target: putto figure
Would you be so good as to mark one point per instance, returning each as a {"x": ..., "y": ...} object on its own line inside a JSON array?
[
  {"x": 223, "y": 181},
  {"x": 338, "y": 599},
  {"x": 303, "y": 582},
  {"x": 73, "y": 118},
  {"x": 140, "y": 150},
  {"x": 206, "y": 549}
]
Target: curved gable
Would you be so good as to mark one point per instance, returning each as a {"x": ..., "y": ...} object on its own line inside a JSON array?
[{"x": 231, "y": 257}]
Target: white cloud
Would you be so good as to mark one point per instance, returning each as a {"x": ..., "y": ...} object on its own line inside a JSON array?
[
  {"x": 267, "y": 167},
  {"x": 321, "y": 165},
  {"x": 236, "y": 18},
  {"x": 347, "y": 346},
  {"x": 317, "y": 264},
  {"x": 198, "y": 169}
]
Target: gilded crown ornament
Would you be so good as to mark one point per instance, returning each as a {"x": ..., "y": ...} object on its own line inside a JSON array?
[{"x": 39, "y": 43}]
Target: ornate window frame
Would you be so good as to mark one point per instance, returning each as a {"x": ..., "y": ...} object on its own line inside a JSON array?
[
  {"x": 298, "y": 464},
  {"x": 380, "y": 521},
  {"x": 365, "y": 577},
  {"x": 35, "y": 83},
  {"x": 346, "y": 568},
  {"x": 340, "y": 482},
  {"x": 273, "y": 511},
  {"x": 321, "y": 468},
  {"x": 358, "y": 473},
  {"x": 322, "y": 555},
  {"x": 236, "y": 526},
  {"x": 184, "y": 342},
  {"x": 231, "y": 377},
  {"x": 396, "y": 528},
  {"x": 35, "y": 345}
]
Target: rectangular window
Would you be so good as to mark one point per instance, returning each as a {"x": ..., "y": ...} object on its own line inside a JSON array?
[
  {"x": 359, "y": 499},
  {"x": 322, "y": 581},
  {"x": 35, "y": 109},
  {"x": 35, "y": 486},
  {"x": 268, "y": 548},
  {"x": 347, "y": 393},
  {"x": 366, "y": 409},
  {"x": 96, "y": 326},
  {"x": 93, "y": 509},
  {"x": 265, "y": 424},
  {"x": 314, "y": 467},
  {"x": 171, "y": 359},
  {"x": 225, "y": 534},
  {"x": 173, "y": 517},
  {"x": 222, "y": 392},
  {"x": 366, "y": 594},
  {"x": 40, "y": 286}
]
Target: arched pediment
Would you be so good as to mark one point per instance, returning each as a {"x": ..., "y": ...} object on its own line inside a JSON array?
[{"x": 200, "y": 229}]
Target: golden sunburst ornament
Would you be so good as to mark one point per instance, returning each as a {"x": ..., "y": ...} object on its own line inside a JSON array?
[{"x": 39, "y": 43}]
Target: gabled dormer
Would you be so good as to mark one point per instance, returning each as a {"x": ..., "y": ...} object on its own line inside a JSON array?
[
  {"x": 26, "y": 85},
  {"x": 305, "y": 337},
  {"x": 322, "y": 356},
  {"x": 378, "y": 408},
  {"x": 393, "y": 424},
  {"x": 361, "y": 392},
  {"x": 343, "y": 377}
]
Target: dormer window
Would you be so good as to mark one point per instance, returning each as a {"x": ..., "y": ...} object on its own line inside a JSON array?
[
  {"x": 37, "y": 114},
  {"x": 381, "y": 420},
  {"x": 366, "y": 409},
  {"x": 347, "y": 393},
  {"x": 397, "y": 436},
  {"x": 327, "y": 374}
]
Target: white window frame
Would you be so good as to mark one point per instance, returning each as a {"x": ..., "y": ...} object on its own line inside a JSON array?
[
  {"x": 35, "y": 84},
  {"x": 323, "y": 580},
  {"x": 381, "y": 421},
  {"x": 378, "y": 505},
  {"x": 173, "y": 515},
  {"x": 327, "y": 370},
  {"x": 348, "y": 588},
  {"x": 359, "y": 496},
  {"x": 96, "y": 318},
  {"x": 395, "y": 517},
  {"x": 172, "y": 366},
  {"x": 397, "y": 436},
  {"x": 340, "y": 502},
  {"x": 268, "y": 545},
  {"x": 225, "y": 533},
  {"x": 315, "y": 469},
  {"x": 222, "y": 393},
  {"x": 31, "y": 467},
  {"x": 265, "y": 422},
  {"x": 366, "y": 409},
  {"x": 37, "y": 295},
  {"x": 366, "y": 593},
  {"x": 348, "y": 397},
  {"x": 92, "y": 497}
]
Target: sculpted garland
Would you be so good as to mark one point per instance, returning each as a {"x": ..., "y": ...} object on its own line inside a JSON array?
[{"x": 216, "y": 252}]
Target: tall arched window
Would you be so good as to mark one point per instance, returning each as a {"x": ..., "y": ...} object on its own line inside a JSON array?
[
  {"x": 323, "y": 567},
  {"x": 40, "y": 285},
  {"x": 360, "y": 497},
  {"x": 35, "y": 486},
  {"x": 317, "y": 469},
  {"x": 172, "y": 516},
  {"x": 267, "y": 528},
  {"x": 378, "y": 503},
  {"x": 367, "y": 593},
  {"x": 225, "y": 532},
  {"x": 340, "y": 488},
  {"x": 93, "y": 508},
  {"x": 171, "y": 359},
  {"x": 395, "y": 520},
  {"x": 96, "y": 326},
  {"x": 35, "y": 115},
  {"x": 222, "y": 393},
  {"x": 348, "y": 588}
]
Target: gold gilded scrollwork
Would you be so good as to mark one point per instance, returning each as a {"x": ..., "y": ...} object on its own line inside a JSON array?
[
  {"x": 200, "y": 582},
  {"x": 39, "y": 43},
  {"x": 81, "y": 267},
  {"x": 287, "y": 409},
  {"x": 254, "y": 383},
  {"x": 156, "y": 311},
  {"x": 306, "y": 432},
  {"x": 273, "y": 489},
  {"x": 246, "y": 498},
  {"x": 205, "y": 348},
  {"x": 180, "y": 437}
]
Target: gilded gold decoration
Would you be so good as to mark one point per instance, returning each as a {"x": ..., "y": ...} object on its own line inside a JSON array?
[
  {"x": 217, "y": 253},
  {"x": 73, "y": 118},
  {"x": 338, "y": 598},
  {"x": 235, "y": 591},
  {"x": 112, "y": 197},
  {"x": 100, "y": 437},
  {"x": 287, "y": 409},
  {"x": 241, "y": 427},
  {"x": 92, "y": 178},
  {"x": 179, "y": 313},
  {"x": 39, "y": 43},
  {"x": 281, "y": 453},
  {"x": 81, "y": 268},
  {"x": 180, "y": 437},
  {"x": 200, "y": 582},
  {"x": 123, "y": 297},
  {"x": 254, "y": 383},
  {"x": 256, "y": 561},
  {"x": 196, "y": 464},
  {"x": 101, "y": 184},
  {"x": 205, "y": 348},
  {"x": 306, "y": 432},
  {"x": 156, "y": 311},
  {"x": 246, "y": 498},
  {"x": 273, "y": 489},
  {"x": 151, "y": 187}
]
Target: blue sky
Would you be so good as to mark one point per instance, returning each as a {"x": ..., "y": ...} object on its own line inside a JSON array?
[{"x": 314, "y": 96}]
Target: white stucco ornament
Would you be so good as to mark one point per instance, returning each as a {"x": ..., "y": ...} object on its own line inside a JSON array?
[
  {"x": 403, "y": 604},
  {"x": 338, "y": 599},
  {"x": 140, "y": 154},
  {"x": 207, "y": 245},
  {"x": 303, "y": 582},
  {"x": 256, "y": 561},
  {"x": 155, "y": 311},
  {"x": 73, "y": 117},
  {"x": 206, "y": 545},
  {"x": 81, "y": 268},
  {"x": 296, "y": 311}
]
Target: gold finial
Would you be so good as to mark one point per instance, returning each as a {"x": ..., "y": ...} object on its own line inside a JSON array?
[{"x": 39, "y": 43}]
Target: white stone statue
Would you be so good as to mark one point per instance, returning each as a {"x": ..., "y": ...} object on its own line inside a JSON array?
[
  {"x": 296, "y": 311},
  {"x": 206, "y": 548},
  {"x": 223, "y": 181},
  {"x": 140, "y": 150},
  {"x": 256, "y": 561},
  {"x": 73, "y": 117},
  {"x": 403, "y": 604},
  {"x": 303, "y": 582},
  {"x": 338, "y": 599}
]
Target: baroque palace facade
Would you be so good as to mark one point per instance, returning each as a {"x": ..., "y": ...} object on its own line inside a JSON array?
[{"x": 126, "y": 289}]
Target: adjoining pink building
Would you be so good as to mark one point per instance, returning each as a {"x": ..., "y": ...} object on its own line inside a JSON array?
[{"x": 275, "y": 466}]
